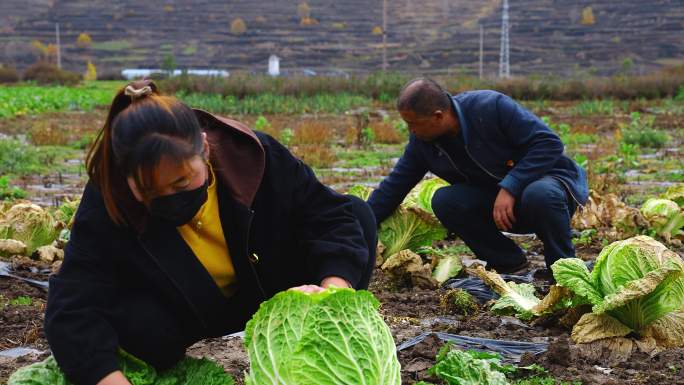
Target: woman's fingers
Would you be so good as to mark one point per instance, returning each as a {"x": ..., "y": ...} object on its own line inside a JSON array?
[{"x": 308, "y": 289}]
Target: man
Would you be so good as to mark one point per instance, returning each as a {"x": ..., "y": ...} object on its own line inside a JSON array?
[{"x": 506, "y": 168}]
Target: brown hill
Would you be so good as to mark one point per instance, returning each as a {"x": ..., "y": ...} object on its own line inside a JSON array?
[{"x": 547, "y": 36}]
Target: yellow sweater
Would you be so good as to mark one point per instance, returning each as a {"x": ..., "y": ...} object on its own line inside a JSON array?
[{"x": 204, "y": 235}]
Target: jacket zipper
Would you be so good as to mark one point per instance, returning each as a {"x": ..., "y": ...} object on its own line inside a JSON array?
[
  {"x": 251, "y": 265},
  {"x": 479, "y": 165},
  {"x": 499, "y": 178},
  {"x": 441, "y": 150},
  {"x": 569, "y": 191}
]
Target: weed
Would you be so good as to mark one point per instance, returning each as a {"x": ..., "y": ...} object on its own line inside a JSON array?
[
  {"x": 286, "y": 136},
  {"x": 594, "y": 107},
  {"x": 640, "y": 132},
  {"x": 21, "y": 301},
  {"x": 261, "y": 123},
  {"x": 458, "y": 301},
  {"x": 363, "y": 158},
  {"x": 367, "y": 137},
  {"x": 585, "y": 238},
  {"x": 8, "y": 192},
  {"x": 545, "y": 380},
  {"x": 567, "y": 137}
]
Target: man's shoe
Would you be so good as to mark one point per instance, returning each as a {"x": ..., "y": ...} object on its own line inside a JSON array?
[{"x": 519, "y": 268}]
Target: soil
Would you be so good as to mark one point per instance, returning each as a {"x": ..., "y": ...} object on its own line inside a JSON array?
[{"x": 408, "y": 311}]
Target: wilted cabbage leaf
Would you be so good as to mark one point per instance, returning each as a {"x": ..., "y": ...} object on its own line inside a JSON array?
[
  {"x": 518, "y": 299},
  {"x": 447, "y": 267},
  {"x": 421, "y": 195},
  {"x": 407, "y": 267},
  {"x": 409, "y": 228},
  {"x": 675, "y": 193},
  {"x": 637, "y": 282},
  {"x": 413, "y": 224},
  {"x": 360, "y": 191},
  {"x": 608, "y": 210},
  {"x": 333, "y": 337},
  {"x": 189, "y": 371}
]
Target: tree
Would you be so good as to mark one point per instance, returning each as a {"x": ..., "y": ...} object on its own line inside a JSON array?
[
  {"x": 46, "y": 53},
  {"x": 91, "y": 72},
  {"x": 588, "y": 16},
  {"x": 169, "y": 64},
  {"x": 238, "y": 27},
  {"x": 84, "y": 41},
  {"x": 303, "y": 10}
]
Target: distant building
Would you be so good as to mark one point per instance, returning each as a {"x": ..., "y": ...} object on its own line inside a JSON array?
[
  {"x": 130, "y": 73},
  {"x": 274, "y": 65}
]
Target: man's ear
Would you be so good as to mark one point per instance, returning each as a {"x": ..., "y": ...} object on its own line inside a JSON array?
[{"x": 438, "y": 114}]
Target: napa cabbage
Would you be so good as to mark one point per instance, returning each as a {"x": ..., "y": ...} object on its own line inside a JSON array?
[
  {"x": 636, "y": 285},
  {"x": 333, "y": 337}
]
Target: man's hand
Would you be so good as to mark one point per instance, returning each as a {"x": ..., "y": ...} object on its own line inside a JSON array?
[
  {"x": 503, "y": 210},
  {"x": 328, "y": 281}
]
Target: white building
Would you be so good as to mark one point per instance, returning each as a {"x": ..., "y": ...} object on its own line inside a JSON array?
[
  {"x": 274, "y": 65},
  {"x": 130, "y": 73}
]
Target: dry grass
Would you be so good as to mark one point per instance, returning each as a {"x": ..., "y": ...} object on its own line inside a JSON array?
[
  {"x": 315, "y": 155},
  {"x": 313, "y": 133},
  {"x": 47, "y": 133},
  {"x": 386, "y": 133}
]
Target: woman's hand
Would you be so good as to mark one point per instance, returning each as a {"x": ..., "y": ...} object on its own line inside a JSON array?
[
  {"x": 327, "y": 282},
  {"x": 114, "y": 378},
  {"x": 335, "y": 281}
]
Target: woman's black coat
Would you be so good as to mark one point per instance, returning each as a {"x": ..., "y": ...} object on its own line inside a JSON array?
[{"x": 283, "y": 228}]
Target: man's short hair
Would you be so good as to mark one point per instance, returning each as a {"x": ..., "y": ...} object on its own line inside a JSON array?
[{"x": 423, "y": 96}]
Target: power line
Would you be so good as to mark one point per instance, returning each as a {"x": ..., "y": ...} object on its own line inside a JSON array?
[{"x": 504, "y": 54}]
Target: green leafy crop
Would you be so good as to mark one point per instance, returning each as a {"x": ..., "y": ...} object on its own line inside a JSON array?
[
  {"x": 636, "y": 286},
  {"x": 189, "y": 371},
  {"x": 333, "y": 337}
]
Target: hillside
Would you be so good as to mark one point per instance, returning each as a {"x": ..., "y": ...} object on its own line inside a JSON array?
[{"x": 547, "y": 36}]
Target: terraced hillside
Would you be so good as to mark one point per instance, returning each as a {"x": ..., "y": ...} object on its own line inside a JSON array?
[{"x": 547, "y": 36}]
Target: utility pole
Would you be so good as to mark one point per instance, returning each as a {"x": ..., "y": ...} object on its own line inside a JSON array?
[
  {"x": 481, "y": 49},
  {"x": 384, "y": 35},
  {"x": 504, "y": 54},
  {"x": 59, "y": 47}
]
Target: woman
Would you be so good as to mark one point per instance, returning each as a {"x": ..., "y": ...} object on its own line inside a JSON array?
[{"x": 190, "y": 221}]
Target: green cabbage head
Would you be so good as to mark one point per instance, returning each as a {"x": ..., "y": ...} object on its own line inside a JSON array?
[
  {"x": 333, "y": 337},
  {"x": 638, "y": 282},
  {"x": 664, "y": 216}
]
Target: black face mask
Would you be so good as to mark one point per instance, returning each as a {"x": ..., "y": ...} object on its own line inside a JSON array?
[{"x": 179, "y": 208}]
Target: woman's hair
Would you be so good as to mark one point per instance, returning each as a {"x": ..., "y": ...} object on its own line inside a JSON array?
[{"x": 142, "y": 126}]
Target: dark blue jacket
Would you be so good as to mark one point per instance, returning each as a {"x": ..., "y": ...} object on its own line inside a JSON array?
[{"x": 510, "y": 145}]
